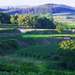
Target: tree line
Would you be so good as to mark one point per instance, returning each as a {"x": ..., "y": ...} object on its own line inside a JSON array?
[{"x": 28, "y": 20}]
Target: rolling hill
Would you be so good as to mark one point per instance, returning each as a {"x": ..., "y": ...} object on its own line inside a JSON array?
[
  {"x": 47, "y": 8},
  {"x": 59, "y": 9},
  {"x": 27, "y": 10}
]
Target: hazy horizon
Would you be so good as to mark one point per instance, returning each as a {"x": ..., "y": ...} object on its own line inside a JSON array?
[
  {"x": 65, "y": 2},
  {"x": 22, "y": 2},
  {"x": 14, "y": 3}
]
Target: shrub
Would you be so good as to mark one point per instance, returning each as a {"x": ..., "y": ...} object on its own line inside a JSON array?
[
  {"x": 67, "y": 54},
  {"x": 67, "y": 45},
  {"x": 59, "y": 27}
]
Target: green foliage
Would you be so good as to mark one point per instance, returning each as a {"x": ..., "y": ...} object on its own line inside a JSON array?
[
  {"x": 28, "y": 21},
  {"x": 37, "y": 56},
  {"x": 13, "y": 19},
  {"x": 44, "y": 23},
  {"x": 33, "y": 21},
  {"x": 8, "y": 67},
  {"x": 67, "y": 54},
  {"x": 8, "y": 46},
  {"x": 67, "y": 45},
  {"x": 12, "y": 69},
  {"x": 62, "y": 26},
  {"x": 4, "y": 18},
  {"x": 59, "y": 27},
  {"x": 21, "y": 20}
]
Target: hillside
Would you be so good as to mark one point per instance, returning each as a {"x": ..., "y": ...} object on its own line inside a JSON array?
[
  {"x": 28, "y": 10},
  {"x": 46, "y": 8},
  {"x": 58, "y": 8}
]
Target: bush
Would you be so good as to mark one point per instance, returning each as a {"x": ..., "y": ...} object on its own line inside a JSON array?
[
  {"x": 67, "y": 45},
  {"x": 4, "y": 18},
  {"x": 67, "y": 54},
  {"x": 59, "y": 27},
  {"x": 44, "y": 23}
]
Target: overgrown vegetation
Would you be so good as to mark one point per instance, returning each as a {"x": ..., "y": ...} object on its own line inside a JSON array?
[{"x": 38, "y": 56}]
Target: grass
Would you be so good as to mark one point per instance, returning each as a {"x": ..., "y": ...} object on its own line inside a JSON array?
[
  {"x": 48, "y": 35},
  {"x": 69, "y": 25},
  {"x": 40, "y": 49},
  {"x": 41, "y": 52},
  {"x": 13, "y": 66}
]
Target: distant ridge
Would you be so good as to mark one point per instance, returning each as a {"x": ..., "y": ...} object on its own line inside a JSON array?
[
  {"x": 27, "y": 10},
  {"x": 46, "y": 8},
  {"x": 59, "y": 8}
]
